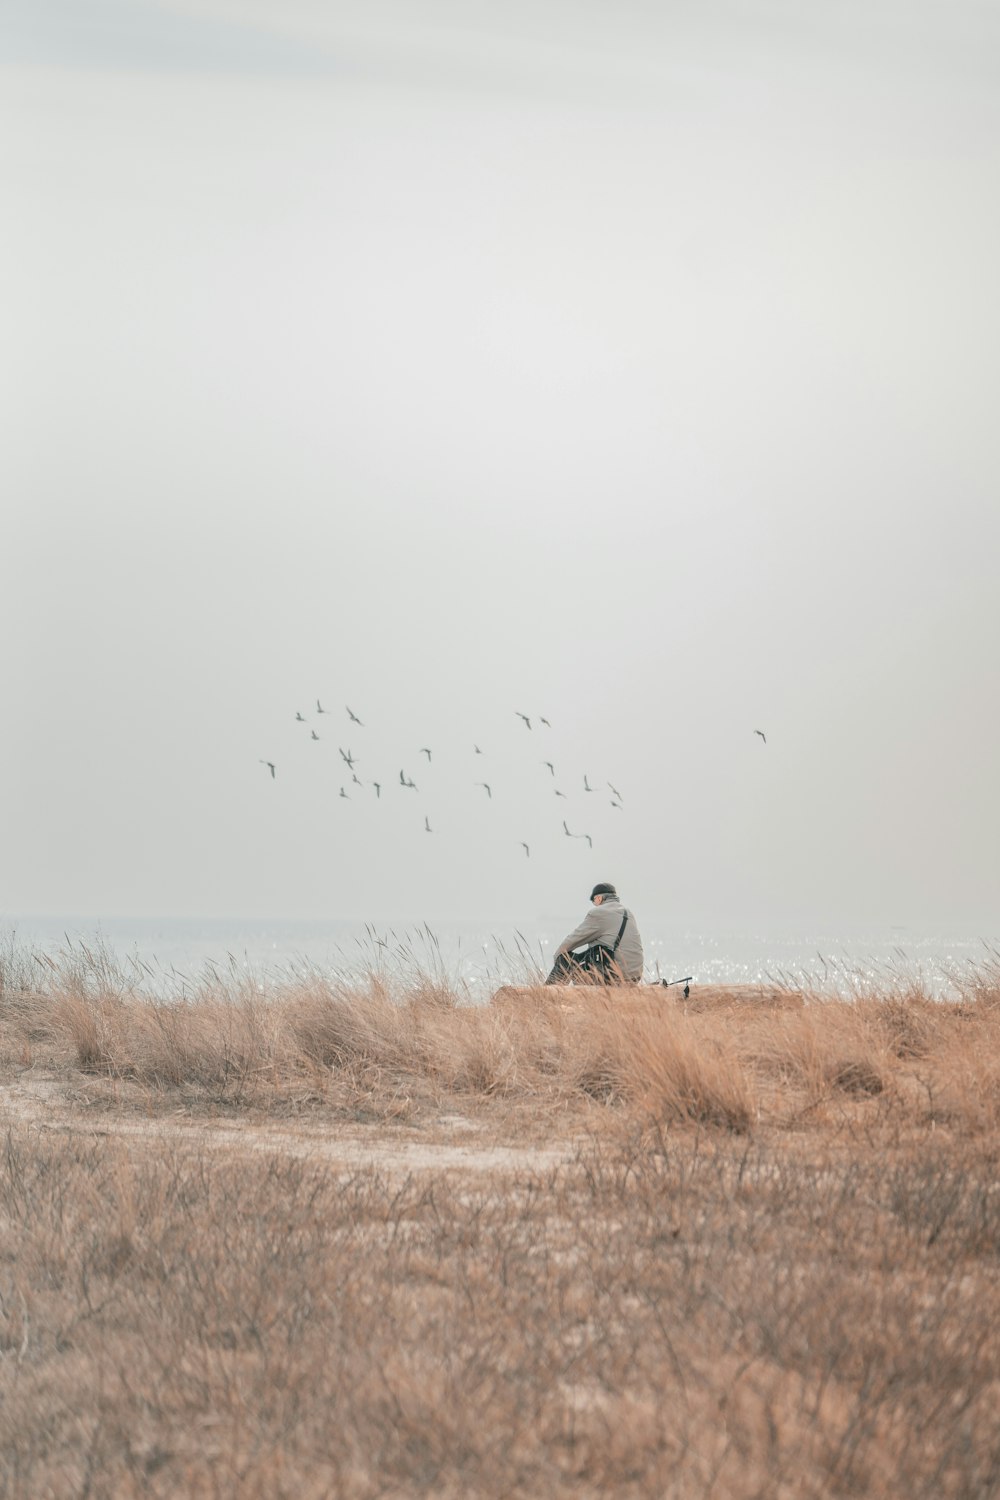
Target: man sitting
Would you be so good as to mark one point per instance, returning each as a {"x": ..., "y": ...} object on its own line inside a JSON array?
[{"x": 610, "y": 939}]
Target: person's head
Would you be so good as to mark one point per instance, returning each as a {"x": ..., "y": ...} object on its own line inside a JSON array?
[{"x": 603, "y": 892}]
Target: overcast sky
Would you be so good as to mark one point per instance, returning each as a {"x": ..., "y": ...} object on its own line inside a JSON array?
[{"x": 630, "y": 364}]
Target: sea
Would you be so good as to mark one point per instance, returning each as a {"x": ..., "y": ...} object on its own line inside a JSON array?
[{"x": 168, "y": 955}]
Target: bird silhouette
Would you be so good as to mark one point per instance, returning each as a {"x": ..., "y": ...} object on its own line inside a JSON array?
[
  {"x": 424, "y": 751},
  {"x": 524, "y": 717},
  {"x": 616, "y": 791},
  {"x": 550, "y": 766},
  {"x": 356, "y": 779},
  {"x": 404, "y": 780},
  {"x": 353, "y": 717},
  {"x": 344, "y": 794},
  {"x": 378, "y": 788},
  {"x": 527, "y": 851},
  {"x": 319, "y": 707},
  {"x": 618, "y": 805},
  {"x": 299, "y": 717},
  {"x": 270, "y": 766},
  {"x": 559, "y": 793},
  {"x": 427, "y": 826},
  {"x": 762, "y": 735},
  {"x": 314, "y": 734},
  {"x": 489, "y": 791},
  {"x": 348, "y": 759},
  {"x": 569, "y": 835},
  {"x": 477, "y": 749},
  {"x": 586, "y": 785},
  {"x": 544, "y": 721}
]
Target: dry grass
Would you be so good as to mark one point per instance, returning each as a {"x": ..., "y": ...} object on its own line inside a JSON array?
[
  {"x": 769, "y": 1264},
  {"x": 316, "y": 1040}
]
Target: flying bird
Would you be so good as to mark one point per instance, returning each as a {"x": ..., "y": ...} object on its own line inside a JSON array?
[
  {"x": 524, "y": 717},
  {"x": 344, "y": 794},
  {"x": 299, "y": 717},
  {"x": 762, "y": 735},
  {"x": 314, "y": 734},
  {"x": 544, "y": 721},
  {"x": 618, "y": 805},
  {"x": 424, "y": 751},
  {"x": 559, "y": 793},
  {"x": 616, "y": 792},
  {"x": 404, "y": 780},
  {"x": 348, "y": 759},
  {"x": 550, "y": 766},
  {"x": 477, "y": 749},
  {"x": 586, "y": 785},
  {"x": 427, "y": 826},
  {"x": 353, "y": 717},
  {"x": 527, "y": 851},
  {"x": 378, "y": 788},
  {"x": 319, "y": 707},
  {"x": 489, "y": 792},
  {"x": 569, "y": 835},
  {"x": 356, "y": 779},
  {"x": 270, "y": 766}
]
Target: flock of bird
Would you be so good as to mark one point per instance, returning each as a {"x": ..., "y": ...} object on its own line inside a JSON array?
[{"x": 407, "y": 783}]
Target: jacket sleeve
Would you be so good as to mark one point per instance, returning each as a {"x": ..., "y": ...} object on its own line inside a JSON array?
[{"x": 588, "y": 932}]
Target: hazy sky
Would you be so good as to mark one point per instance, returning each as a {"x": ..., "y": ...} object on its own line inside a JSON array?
[{"x": 633, "y": 364}]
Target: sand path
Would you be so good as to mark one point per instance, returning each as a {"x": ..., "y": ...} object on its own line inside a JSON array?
[{"x": 42, "y": 1103}]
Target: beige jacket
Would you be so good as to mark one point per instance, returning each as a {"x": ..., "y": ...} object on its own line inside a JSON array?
[{"x": 601, "y": 925}]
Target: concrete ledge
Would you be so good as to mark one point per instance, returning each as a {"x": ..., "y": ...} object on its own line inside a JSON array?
[{"x": 703, "y": 997}]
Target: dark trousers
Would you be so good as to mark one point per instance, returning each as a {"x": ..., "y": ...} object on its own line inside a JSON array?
[{"x": 595, "y": 965}]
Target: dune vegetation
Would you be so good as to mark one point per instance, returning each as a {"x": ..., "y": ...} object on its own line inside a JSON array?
[{"x": 349, "y": 1235}]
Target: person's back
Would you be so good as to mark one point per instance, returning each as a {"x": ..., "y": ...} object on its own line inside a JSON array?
[
  {"x": 601, "y": 933},
  {"x": 629, "y": 956}
]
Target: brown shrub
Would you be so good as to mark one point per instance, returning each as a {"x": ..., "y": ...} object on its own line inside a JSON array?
[
  {"x": 908, "y": 1025},
  {"x": 665, "y": 1315}
]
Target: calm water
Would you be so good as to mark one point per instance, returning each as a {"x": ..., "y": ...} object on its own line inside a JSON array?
[{"x": 478, "y": 956}]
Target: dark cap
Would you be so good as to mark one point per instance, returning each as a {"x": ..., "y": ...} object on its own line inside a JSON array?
[{"x": 603, "y": 890}]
